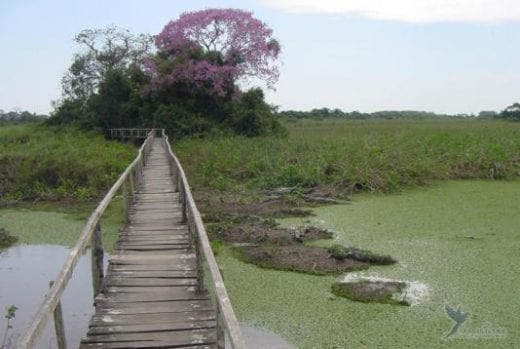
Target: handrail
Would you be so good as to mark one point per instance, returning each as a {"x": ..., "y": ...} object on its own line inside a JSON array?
[
  {"x": 130, "y": 132},
  {"x": 53, "y": 296},
  {"x": 224, "y": 310}
]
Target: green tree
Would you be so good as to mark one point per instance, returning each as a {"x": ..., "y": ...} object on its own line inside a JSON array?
[{"x": 512, "y": 112}]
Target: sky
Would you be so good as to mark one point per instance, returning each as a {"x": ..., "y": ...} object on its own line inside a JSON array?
[{"x": 445, "y": 56}]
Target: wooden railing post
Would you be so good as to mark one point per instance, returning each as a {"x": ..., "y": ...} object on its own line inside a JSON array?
[
  {"x": 200, "y": 263},
  {"x": 131, "y": 182},
  {"x": 221, "y": 333},
  {"x": 97, "y": 256},
  {"x": 126, "y": 200},
  {"x": 59, "y": 327}
]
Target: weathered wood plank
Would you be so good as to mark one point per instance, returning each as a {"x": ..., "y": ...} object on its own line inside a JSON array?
[
  {"x": 148, "y": 282},
  {"x": 156, "y": 318},
  {"x": 140, "y": 328},
  {"x": 150, "y": 268},
  {"x": 150, "y": 297},
  {"x": 179, "y": 272},
  {"x": 153, "y": 307},
  {"x": 143, "y": 344}
]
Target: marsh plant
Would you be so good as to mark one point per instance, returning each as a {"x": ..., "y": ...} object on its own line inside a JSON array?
[{"x": 10, "y": 313}]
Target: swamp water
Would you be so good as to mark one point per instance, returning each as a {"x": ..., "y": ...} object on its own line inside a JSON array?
[
  {"x": 457, "y": 241},
  {"x": 27, "y": 268}
]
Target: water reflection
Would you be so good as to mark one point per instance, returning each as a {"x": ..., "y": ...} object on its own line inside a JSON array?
[
  {"x": 259, "y": 338},
  {"x": 25, "y": 272}
]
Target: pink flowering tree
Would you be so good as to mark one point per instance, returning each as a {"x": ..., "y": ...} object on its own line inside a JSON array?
[{"x": 214, "y": 49}]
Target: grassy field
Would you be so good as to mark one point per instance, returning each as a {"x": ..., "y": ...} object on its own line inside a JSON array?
[
  {"x": 39, "y": 162},
  {"x": 370, "y": 155}
]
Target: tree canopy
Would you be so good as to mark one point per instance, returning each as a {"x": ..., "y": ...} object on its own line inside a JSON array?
[
  {"x": 189, "y": 85},
  {"x": 512, "y": 112},
  {"x": 215, "y": 48}
]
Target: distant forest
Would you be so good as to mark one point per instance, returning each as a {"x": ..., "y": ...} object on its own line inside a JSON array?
[
  {"x": 20, "y": 116},
  {"x": 326, "y": 113}
]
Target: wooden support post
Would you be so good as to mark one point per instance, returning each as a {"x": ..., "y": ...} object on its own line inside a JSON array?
[
  {"x": 97, "y": 255},
  {"x": 200, "y": 263},
  {"x": 131, "y": 182},
  {"x": 221, "y": 333},
  {"x": 59, "y": 327},
  {"x": 126, "y": 199},
  {"x": 182, "y": 198}
]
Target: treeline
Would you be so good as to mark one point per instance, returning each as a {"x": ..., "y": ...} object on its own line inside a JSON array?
[
  {"x": 20, "y": 116},
  {"x": 511, "y": 113}
]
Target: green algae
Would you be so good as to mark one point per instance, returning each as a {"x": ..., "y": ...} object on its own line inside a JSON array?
[
  {"x": 459, "y": 237},
  {"x": 58, "y": 224}
]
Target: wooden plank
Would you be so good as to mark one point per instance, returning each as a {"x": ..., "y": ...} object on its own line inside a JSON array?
[
  {"x": 179, "y": 272},
  {"x": 140, "y": 328},
  {"x": 150, "y": 297},
  {"x": 156, "y": 318},
  {"x": 149, "y": 282},
  {"x": 154, "y": 238},
  {"x": 144, "y": 344},
  {"x": 150, "y": 268},
  {"x": 140, "y": 247},
  {"x": 170, "y": 290},
  {"x": 153, "y": 307}
]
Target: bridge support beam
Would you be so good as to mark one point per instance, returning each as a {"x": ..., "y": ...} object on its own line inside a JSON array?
[
  {"x": 59, "y": 327},
  {"x": 97, "y": 256}
]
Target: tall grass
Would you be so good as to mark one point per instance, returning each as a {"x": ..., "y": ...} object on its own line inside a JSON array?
[
  {"x": 372, "y": 155},
  {"x": 38, "y": 162}
]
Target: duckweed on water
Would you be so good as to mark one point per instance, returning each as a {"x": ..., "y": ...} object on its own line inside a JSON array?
[
  {"x": 427, "y": 231},
  {"x": 55, "y": 224}
]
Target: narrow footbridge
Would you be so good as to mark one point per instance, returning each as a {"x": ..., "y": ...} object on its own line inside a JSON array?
[{"x": 154, "y": 293}]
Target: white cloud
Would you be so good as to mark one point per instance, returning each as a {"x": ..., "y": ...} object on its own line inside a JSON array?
[{"x": 409, "y": 10}]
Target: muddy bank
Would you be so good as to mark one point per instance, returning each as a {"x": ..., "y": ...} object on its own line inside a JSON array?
[
  {"x": 6, "y": 239},
  {"x": 368, "y": 291},
  {"x": 248, "y": 225},
  {"x": 299, "y": 258}
]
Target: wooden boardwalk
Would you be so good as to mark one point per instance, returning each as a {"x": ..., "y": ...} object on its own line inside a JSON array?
[{"x": 150, "y": 297}]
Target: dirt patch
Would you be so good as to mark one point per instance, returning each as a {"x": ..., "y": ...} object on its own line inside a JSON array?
[
  {"x": 266, "y": 232},
  {"x": 342, "y": 252},
  {"x": 313, "y": 260},
  {"x": 368, "y": 291},
  {"x": 6, "y": 239},
  {"x": 247, "y": 223},
  {"x": 273, "y": 203}
]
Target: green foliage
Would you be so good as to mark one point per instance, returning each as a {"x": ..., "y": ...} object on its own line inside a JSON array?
[
  {"x": 10, "y": 313},
  {"x": 511, "y": 113},
  {"x": 38, "y": 162},
  {"x": 251, "y": 116},
  {"x": 216, "y": 246},
  {"x": 342, "y": 252},
  {"x": 108, "y": 86},
  {"x": 384, "y": 155}
]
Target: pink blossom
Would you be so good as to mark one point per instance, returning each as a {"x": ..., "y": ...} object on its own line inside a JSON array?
[{"x": 235, "y": 45}]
